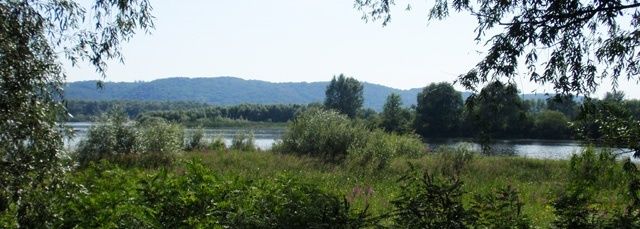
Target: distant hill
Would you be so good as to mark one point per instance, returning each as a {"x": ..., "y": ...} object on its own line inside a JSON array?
[{"x": 230, "y": 91}]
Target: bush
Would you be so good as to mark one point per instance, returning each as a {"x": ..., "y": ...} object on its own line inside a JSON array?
[
  {"x": 160, "y": 142},
  {"x": 243, "y": 141},
  {"x": 108, "y": 196},
  {"x": 217, "y": 144},
  {"x": 152, "y": 143},
  {"x": 432, "y": 201},
  {"x": 112, "y": 137},
  {"x": 195, "y": 140},
  {"x": 451, "y": 161},
  {"x": 379, "y": 148},
  {"x": 321, "y": 133}
]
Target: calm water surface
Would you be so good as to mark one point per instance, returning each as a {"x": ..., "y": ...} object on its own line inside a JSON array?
[{"x": 265, "y": 137}]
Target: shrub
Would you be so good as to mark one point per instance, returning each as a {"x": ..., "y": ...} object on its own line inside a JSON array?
[
  {"x": 195, "y": 140},
  {"x": 451, "y": 161},
  {"x": 108, "y": 196},
  {"x": 430, "y": 202},
  {"x": 151, "y": 143},
  {"x": 379, "y": 148},
  {"x": 321, "y": 133},
  {"x": 502, "y": 209},
  {"x": 217, "y": 144},
  {"x": 110, "y": 138},
  {"x": 160, "y": 141},
  {"x": 243, "y": 141}
]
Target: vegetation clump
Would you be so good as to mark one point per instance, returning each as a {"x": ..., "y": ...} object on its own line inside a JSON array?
[
  {"x": 154, "y": 142},
  {"x": 334, "y": 137}
]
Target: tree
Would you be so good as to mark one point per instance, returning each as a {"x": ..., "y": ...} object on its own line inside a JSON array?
[
  {"x": 438, "y": 111},
  {"x": 344, "y": 94},
  {"x": 395, "y": 118},
  {"x": 581, "y": 41},
  {"x": 36, "y": 36},
  {"x": 563, "y": 103},
  {"x": 497, "y": 112},
  {"x": 550, "y": 124}
]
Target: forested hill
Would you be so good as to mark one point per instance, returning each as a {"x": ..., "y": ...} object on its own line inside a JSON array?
[{"x": 226, "y": 91}]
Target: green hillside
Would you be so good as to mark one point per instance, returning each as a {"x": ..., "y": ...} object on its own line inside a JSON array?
[{"x": 230, "y": 91}]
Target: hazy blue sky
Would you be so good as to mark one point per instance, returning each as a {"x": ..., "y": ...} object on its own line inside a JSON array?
[{"x": 293, "y": 40}]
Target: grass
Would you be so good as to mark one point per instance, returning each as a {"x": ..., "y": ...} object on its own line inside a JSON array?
[{"x": 538, "y": 181}]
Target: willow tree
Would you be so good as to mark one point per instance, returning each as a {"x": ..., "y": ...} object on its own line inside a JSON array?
[{"x": 37, "y": 36}]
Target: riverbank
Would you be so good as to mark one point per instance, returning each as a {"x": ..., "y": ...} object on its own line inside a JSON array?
[{"x": 538, "y": 181}]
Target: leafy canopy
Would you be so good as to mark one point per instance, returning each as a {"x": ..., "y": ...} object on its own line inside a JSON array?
[
  {"x": 36, "y": 36},
  {"x": 344, "y": 94},
  {"x": 570, "y": 44}
]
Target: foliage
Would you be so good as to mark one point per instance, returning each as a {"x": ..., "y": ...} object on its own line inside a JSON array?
[
  {"x": 452, "y": 161},
  {"x": 35, "y": 36},
  {"x": 194, "y": 140},
  {"x": 497, "y": 111},
  {"x": 430, "y": 202},
  {"x": 152, "y": 143},
  {"x": 212, "y": 116},
  {"x": 243, "y": 141},
  {"x": 108, "y": 196},
  {"x": 83, "y": 110},
  {"x": 217, "y": 144},
  {"x": 433, "y": 201},
  {"x": 160, "y": 142},
  {"x": 551, "y": 125},
  {"x": 609, "y": 123},
  {"x": 344, "y": 94},
  {"x": 502, "y": 209},
  {"x": 438, "y": 111},
  {"x": 379, "y": 148},
  {"x": 591, "y": 173},
  {"x": 321, "y": 133},
  {"x": 113, "y": 137},
  {"x": 585, "y": 40},
  {"x": 565, "y": 104},
  {"x": 395, "y": 118}
]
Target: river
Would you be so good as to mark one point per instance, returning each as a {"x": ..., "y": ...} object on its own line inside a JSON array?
[{"x": 265, "y": 137}]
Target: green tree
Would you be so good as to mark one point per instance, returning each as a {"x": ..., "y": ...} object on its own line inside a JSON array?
[
  {"x": 395, "y": 118},
  {"x": 36, "y": 36},
  {"x": 438, "y": 111},
  {"x": 497, "y": 112},
  {"x": 551, "y": 125},
  {"x": 565, "y": 104},
  {"x": 582, "y": 41},
  {"x": 344, "y": 94}
]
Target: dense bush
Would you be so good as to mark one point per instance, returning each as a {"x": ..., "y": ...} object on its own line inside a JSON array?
[
  {"x": 378, "y": 148},
  {"x": 334, "y": 137},
  {"x": 160, "y": 142},
  {"x": 153, "y": 142},
  {"x": 321, "y": 133},
  {"x": 112, "y": 137}
]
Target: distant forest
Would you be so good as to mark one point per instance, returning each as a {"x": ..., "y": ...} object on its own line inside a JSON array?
[{"x": 224, "y": 91}]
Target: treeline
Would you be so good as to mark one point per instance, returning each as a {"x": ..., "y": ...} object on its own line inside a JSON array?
[
  {"x": 208, "y": 116},
  {"x": 83, "y": 111},
  {"x": 497, "y": 111}
]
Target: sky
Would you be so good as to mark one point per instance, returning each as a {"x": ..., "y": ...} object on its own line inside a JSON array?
[{"x": 303, "y": 41}]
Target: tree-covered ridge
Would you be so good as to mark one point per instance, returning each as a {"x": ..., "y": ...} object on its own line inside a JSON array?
[{"x": 234, "y": 91}]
